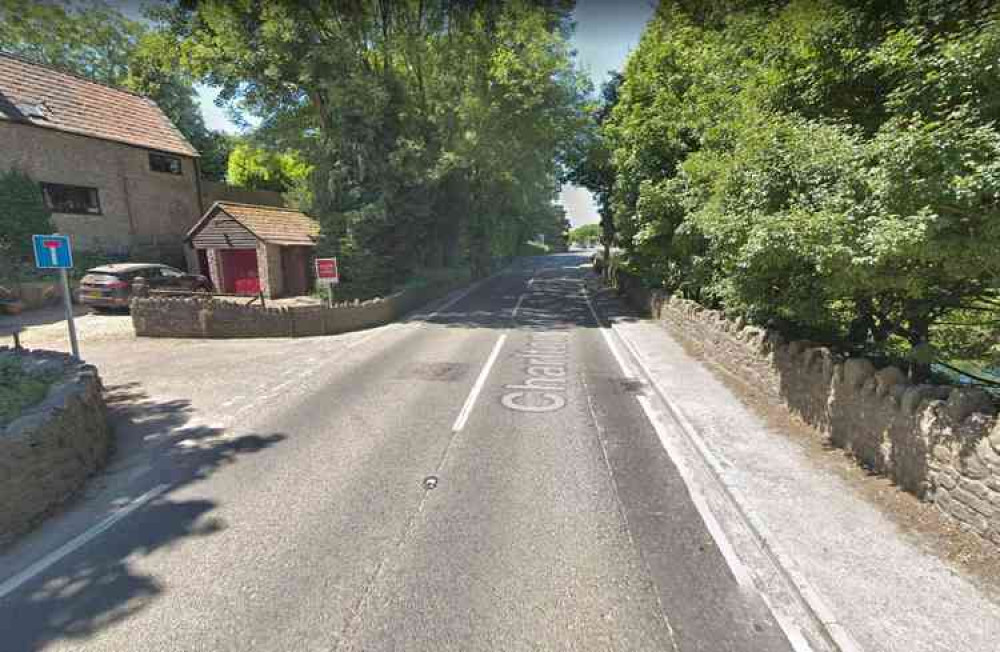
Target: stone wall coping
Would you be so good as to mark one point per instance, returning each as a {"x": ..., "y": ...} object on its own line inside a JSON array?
[
  {"x": 963, "y": 402},
  {"x": 48, "y": 452},
  {"x": 940, "y": 442},
  {"x": 74, "y": 376},
  {"x": 202, "y": 316}
]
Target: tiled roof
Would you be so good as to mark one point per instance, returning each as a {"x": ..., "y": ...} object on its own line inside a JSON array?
[
  {"x": 51, "y": 98},
  {"x": 283, "y": 226}
]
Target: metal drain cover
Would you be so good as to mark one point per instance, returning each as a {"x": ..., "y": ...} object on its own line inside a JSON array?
[
  {"x": 633, "y": 385},
  {"x": 447, "y": 372}
]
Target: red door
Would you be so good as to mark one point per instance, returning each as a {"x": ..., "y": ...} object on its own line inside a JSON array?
[{"x": 239, "y": 269}]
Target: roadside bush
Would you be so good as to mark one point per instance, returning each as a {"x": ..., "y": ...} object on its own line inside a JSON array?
[
  {"x": 22, "y": 214},
  {"x": 19, "y": 390},
  {"x": 531, "y": 249},
  {"x": 832, "y": 169}
]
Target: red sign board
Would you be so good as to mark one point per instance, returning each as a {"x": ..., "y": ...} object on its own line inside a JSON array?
[{"x": 326, "y": 271}]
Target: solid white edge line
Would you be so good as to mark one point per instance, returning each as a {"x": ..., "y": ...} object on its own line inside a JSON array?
[
  {"x": 741, "y": 573},
  {"x": 470, "y": 402},
  {"x": 736, "y": 565},
  {"x": 77, "y": 542},
  {"x": 841, "y": 637}
]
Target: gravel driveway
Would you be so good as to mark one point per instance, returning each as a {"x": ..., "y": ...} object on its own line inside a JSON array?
[{"x": 46, "y": 328}]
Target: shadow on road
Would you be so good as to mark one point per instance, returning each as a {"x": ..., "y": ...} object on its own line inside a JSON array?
[
  {"x": 100, "y": 584},
  {"x": 38, "y": 317},
  {"x": 554, "y": 300}
]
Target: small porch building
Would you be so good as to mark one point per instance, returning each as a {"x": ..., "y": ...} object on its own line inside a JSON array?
[{"x": 248, "y": 249}]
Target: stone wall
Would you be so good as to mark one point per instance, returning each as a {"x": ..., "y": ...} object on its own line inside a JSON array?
[
  {"x": 940, "y": 443},
  {"x": 205, "y": 317},
  {"x": 34, "y": 294},
  {"x": 49, "y": 451},
  {"x": 272, "y": 278}
]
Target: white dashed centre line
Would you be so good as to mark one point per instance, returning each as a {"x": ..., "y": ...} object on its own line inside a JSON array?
[{"x": 470, "y": 402}]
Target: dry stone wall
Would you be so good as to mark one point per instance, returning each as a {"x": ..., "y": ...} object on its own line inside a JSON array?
[
  {"x": 940, "y": 443},
  {"x": 204, "y": 317},
  {"x": 49, "y": 451}
]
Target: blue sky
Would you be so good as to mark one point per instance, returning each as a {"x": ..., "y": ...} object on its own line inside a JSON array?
[{"x": 606, "y": 31}]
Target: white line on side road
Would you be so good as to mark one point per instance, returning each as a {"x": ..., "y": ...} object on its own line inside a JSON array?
[
  {"x": 469, "y": 290},
  {"x": 77, "y": 542},
  {"x": 378, "y": 331},
  {"x": 470, "y": 402},
  {"x": 518, "y": 305}
]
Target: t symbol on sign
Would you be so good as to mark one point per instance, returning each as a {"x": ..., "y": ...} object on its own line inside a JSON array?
[{"x": 53, "y": 247}]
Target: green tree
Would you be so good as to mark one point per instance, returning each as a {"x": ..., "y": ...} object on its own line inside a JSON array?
[
  {"x": 259, "y": 169},
  {"x": 590, "y": 164},
  {"x": 586, "y": 234},
  {"x": 22, "y": 214},
  {"x": 435, "y": 129},
  {"x": 827, "y": 167},
  {"x": 95, "y": 40}
]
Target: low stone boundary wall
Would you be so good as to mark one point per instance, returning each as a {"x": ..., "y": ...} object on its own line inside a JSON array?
[
  {"x": 204, "y": 317},
  {"x": 48, "y": 452},
  {"x": 940, "y": 443}
]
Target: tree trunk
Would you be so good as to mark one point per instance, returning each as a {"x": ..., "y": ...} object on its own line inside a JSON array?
[{"x": 918, "y": 336}]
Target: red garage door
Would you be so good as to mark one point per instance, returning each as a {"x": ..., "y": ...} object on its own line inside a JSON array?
[{"x": 239, "y": 269}]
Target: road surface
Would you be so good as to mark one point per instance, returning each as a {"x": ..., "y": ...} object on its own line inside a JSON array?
[{"x": 480, "y": 477}]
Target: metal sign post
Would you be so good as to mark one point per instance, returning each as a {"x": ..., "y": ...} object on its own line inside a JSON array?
[
  {"x": 327, "y": 274},
  {"x": 68, "y": 303},
  {"x": 54, "y": 252}
]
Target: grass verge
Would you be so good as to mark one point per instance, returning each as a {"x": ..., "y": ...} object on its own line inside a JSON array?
[{"x": 20, "y": 390}]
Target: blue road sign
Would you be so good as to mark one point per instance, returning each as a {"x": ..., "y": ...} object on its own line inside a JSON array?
[{"x": 52, "y": 251}]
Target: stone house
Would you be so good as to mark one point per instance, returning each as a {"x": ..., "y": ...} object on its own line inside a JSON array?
[
  {"x": 115, "y": 172},
  {"x": 250, "y": 248}
]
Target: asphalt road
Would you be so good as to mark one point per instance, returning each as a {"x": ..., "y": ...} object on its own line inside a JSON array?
[{"x": 480, "y": 477}]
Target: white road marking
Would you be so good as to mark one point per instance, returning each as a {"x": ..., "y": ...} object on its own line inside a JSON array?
[
  {"x": 740, "y": 572},
  {"x": 276, "y": 389},
  {"x": 232, "y": 401},
  {"x": 518, "y": 305},
  {"x": 469, "y": 290},
  {"x": 378, "y": 331},
  {"x": 625, "y": 366},
  {"x": 470, "y": 402},
  {"x": 837, "y": 632},
  {"x": 16, "y": 581},
  {"x": 77, "y": 542}
]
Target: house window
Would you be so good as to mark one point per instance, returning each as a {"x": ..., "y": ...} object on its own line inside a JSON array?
[
  {"x": 164, "y": 163},
  {"x": 61, "y": 198}
]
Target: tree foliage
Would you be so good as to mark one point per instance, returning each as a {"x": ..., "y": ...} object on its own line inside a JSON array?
[
  {"x": 95, "y": 40},
  {"x": 589, "y": 161},
  {"x": 830, "y": 167},
  {"x": 22, "y": 214},
  {"x": 434, "y": 128},
  {"x": 586, "y": 234},
  {"x": 257, "y": 168}
]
